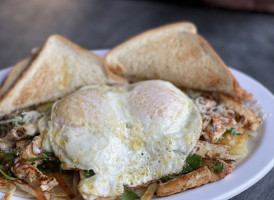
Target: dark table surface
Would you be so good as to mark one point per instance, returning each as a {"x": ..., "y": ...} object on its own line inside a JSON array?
[{"x": 244, "y": 40}]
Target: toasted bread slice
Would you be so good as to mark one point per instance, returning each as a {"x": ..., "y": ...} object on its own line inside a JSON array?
[
  {"x": 171, "y": 53},
  {"x": 14, "y": 73},
  {"x": 17, "y": 71},
  {"x": 60, "y": 68}
]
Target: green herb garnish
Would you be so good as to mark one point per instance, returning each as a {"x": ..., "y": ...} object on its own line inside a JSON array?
[
  {"x": 166, "y": 178},
  {"x": 128, "y": 195},
  {"x": 45, "y": 156},
  {"x": 218, "y": 167},
  {"x": 7, "y": 176},
  {"x": 193, "y": 162},
  {"x": 34, "y": 159},
  {"x": 233, "y": 131},
  {"x": 89, "y": 173},
  {"x": 8, "y": 157}
]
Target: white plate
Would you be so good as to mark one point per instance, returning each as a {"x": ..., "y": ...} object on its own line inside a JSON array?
[{"x": 259, "y": 161}]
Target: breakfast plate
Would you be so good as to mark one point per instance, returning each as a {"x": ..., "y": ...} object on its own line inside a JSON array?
[{"x": 250, "y": 170}]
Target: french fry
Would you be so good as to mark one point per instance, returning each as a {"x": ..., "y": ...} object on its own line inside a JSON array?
[{"x": 193, "y": 179}]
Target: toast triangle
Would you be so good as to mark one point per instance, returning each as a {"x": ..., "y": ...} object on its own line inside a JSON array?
[
  {"x": 175, "y": 55},
  {"x": 16, "y": 71},
  {"x": 59, "y": 68}
]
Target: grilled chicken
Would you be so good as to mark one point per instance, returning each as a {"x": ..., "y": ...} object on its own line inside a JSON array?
[
  {"x": 32, "y": 150},
  {"x": 29, "y": 173},
  {"x": 18, "y": 133},
  {"x": 216, "y": 118},
  {"x": 218, "y": 125},
  {"x": 210, "y": 150}
]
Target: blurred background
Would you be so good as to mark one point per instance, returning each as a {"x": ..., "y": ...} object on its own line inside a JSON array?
[{"x": 241, "y": 31}]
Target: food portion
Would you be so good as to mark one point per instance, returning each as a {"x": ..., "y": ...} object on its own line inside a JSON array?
[
  {"x": 121, "y": 138},
  {"x": 113, "y": 140}
]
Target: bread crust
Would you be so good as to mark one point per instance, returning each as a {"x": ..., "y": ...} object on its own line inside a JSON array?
[{"x": 14, "y": 73}]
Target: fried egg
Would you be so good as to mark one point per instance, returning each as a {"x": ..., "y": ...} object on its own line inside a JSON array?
[{"x": 128, "y": 135}]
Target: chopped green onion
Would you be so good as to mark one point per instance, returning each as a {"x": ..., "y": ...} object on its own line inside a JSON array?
[
  {"x": 166, "y": 178},
  {"x": 33, "y": 159},
  {"x": 218, "y": 167},
  {"x": 89, "y": 173},
  {"x": 128, "y": 195},
  {"x": 8, "y": 157},
  {"x": 233, "y": 131},
  {"x": 7, "y": 176},
  {"x": 47, "y": 154},
  {"x": 193, "y": 162}
]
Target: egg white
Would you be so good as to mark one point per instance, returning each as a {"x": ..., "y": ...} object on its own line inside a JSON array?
[{"x": 127, "y": 135}]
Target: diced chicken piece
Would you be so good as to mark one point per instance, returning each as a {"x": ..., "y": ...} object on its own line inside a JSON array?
[
  {"x": 205, "y": 105},
  {"x": 25, "y": 131},
  {"x": 21, "y": 144},
  {"x": 18, "y": 133},
  {"x": 253, "y": 121},
  {"x": 216, "y": 118},
  {"x": 32, "y": 150},
  {"x": 193, "y": 179},
  {"x": 209, "y": 150},
  {"x": 29, "y": 173},
  {"x": 218, "y": 126},
  {"x": 6, "y": 145}
]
